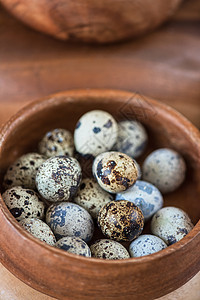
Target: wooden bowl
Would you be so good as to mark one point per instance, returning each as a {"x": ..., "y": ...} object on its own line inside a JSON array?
[
  {"x": 67, "y": 276},
  {"x": 99, "y": 21}
]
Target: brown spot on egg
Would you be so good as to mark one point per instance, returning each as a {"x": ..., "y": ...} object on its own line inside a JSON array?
[
  {"x": 121, "y": 220},
  {"x": 115, "y": 172}
]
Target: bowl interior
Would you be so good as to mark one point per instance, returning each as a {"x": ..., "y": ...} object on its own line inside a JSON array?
[{"x": 166, "y": 128}]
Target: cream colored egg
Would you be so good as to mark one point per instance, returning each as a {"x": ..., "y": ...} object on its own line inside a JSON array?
[
  {"x": 59, "y": 141},
  {"x": 39, "y": 229},
  {"x": 96, "y": 132},
  {"x": 58, "y": 178},
  {"x": 171, "y": 224},
  {"x": 74, "y": 245},
  {"x": 23, "y": 203},
  {"x": 164, "y": 168},
  {"x": 23, "y": 171},
  {"x": 91, "y": 196},
  {"x": 108, "y": 249}
]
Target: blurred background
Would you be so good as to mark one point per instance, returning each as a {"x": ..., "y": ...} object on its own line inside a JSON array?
[{"x": 163, "y": 64}]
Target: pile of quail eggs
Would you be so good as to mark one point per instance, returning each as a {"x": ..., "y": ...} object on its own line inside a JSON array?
[{"x": 49, "y": 196}]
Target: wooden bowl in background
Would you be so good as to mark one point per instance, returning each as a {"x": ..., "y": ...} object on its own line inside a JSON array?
[
  {"x": 99, "y": 21},
  {"x": 67, "y": 276}
]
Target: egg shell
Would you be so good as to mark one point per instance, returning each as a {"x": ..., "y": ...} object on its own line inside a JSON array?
[
  {"x": 144, "y": 195},
  {"x": 171, "y": 224},
  {"x": 70, "y": 219},
  {"x": 58, "y": 178},
  {"x": 59, "y": 141},
  {"x": 146, "y": 244},
  {"x": 139, "y": 170},
  {"x": 108, "y": 249},
  {"x": 23, "y": 171},
  {"x": 39, "y": 229},
  {"x": 164, "y": 168},
  {"x": 23, "y": 203},
  {"x": 121, "y": 220},
  {"x": 114, "y": 171},
  {"x": 132, "y": 138},
  {"x": 74, "y": 245},
  {"x": 91, "y": 196},
  {"x": 96, "y": 132}
]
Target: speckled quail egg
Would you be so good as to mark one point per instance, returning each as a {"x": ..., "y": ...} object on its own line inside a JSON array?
[
  {"x": 144, "y": 195},
  {"x": 22, "y": 172},
  {"x": 58, "y": 178},
  {"x": 74, "y": 245},
  {"x": 165, "y": 168},
  {"x": 91, "y": 196},
  {"x": 59, "y": 141},
  {"x": 115, "y": 171},
  {"x": 96, "y": 132},
  {"x": 146, "y": 244},
  {"x": 70, "y": 219},
  {"x": 23, "y": 203},
  {"x": 171, "y": 224},
  {"x": 108, "y": 249},
  {"x": 132, "y": 138},
  {"x": 121, "y": 220},
  {"x": 39, "y": 229}
]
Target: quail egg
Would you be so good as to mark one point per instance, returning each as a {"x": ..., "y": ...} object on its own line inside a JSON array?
[
  {"x": 74, "y": 245},
  {"x": 144, "y": 195},
  {"x": 58, "y": 178},
  {"x": 57, "y": 142},
  {"x": 23, "y": 203},
  {"x": 91, "y": 196},
  {"x": 146, "y": 244},
  {"x": 115, "y": 171},
  {"x": 171, "y": 224},
  {"x": 70, "y": 219},
  {"x": 165, "y": 168},
  {"x": 121, "y": 220},
  {"x": 39, "y": 229},
  {"x": 22, "y": 172},
  {"x": 96, "y": 132},
  {"x": 132, "y": 138},
  {"x": 108, "y": 249}
]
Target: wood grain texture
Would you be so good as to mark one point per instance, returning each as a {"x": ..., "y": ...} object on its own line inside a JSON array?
[
  {"x": 44, "y": 267},
  {"x": 101, "y": 21},
  {"x": 12, "y": 288},
  {"x": 164, "y": 64}
]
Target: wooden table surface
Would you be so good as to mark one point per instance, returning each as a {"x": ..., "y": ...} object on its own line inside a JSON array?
[{"x": 164, "y": 65}]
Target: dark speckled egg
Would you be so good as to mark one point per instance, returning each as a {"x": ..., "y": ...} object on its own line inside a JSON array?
[
  {"x": 121, "y": 220},
  {"x": 69, "y": 219},
  {"x": 24, "y": 203},
  {"x": 74, "y": 245},
  {"x": 108, "y": 249},
  {"x": 115, "y": 171},
  {"x": 59, "y": 141},
  {"x": 58, "y": 178},
  {"x": 22, "y": 172}
]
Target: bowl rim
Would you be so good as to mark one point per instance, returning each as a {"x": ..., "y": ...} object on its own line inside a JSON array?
[{"x": 30, "y": 108}]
